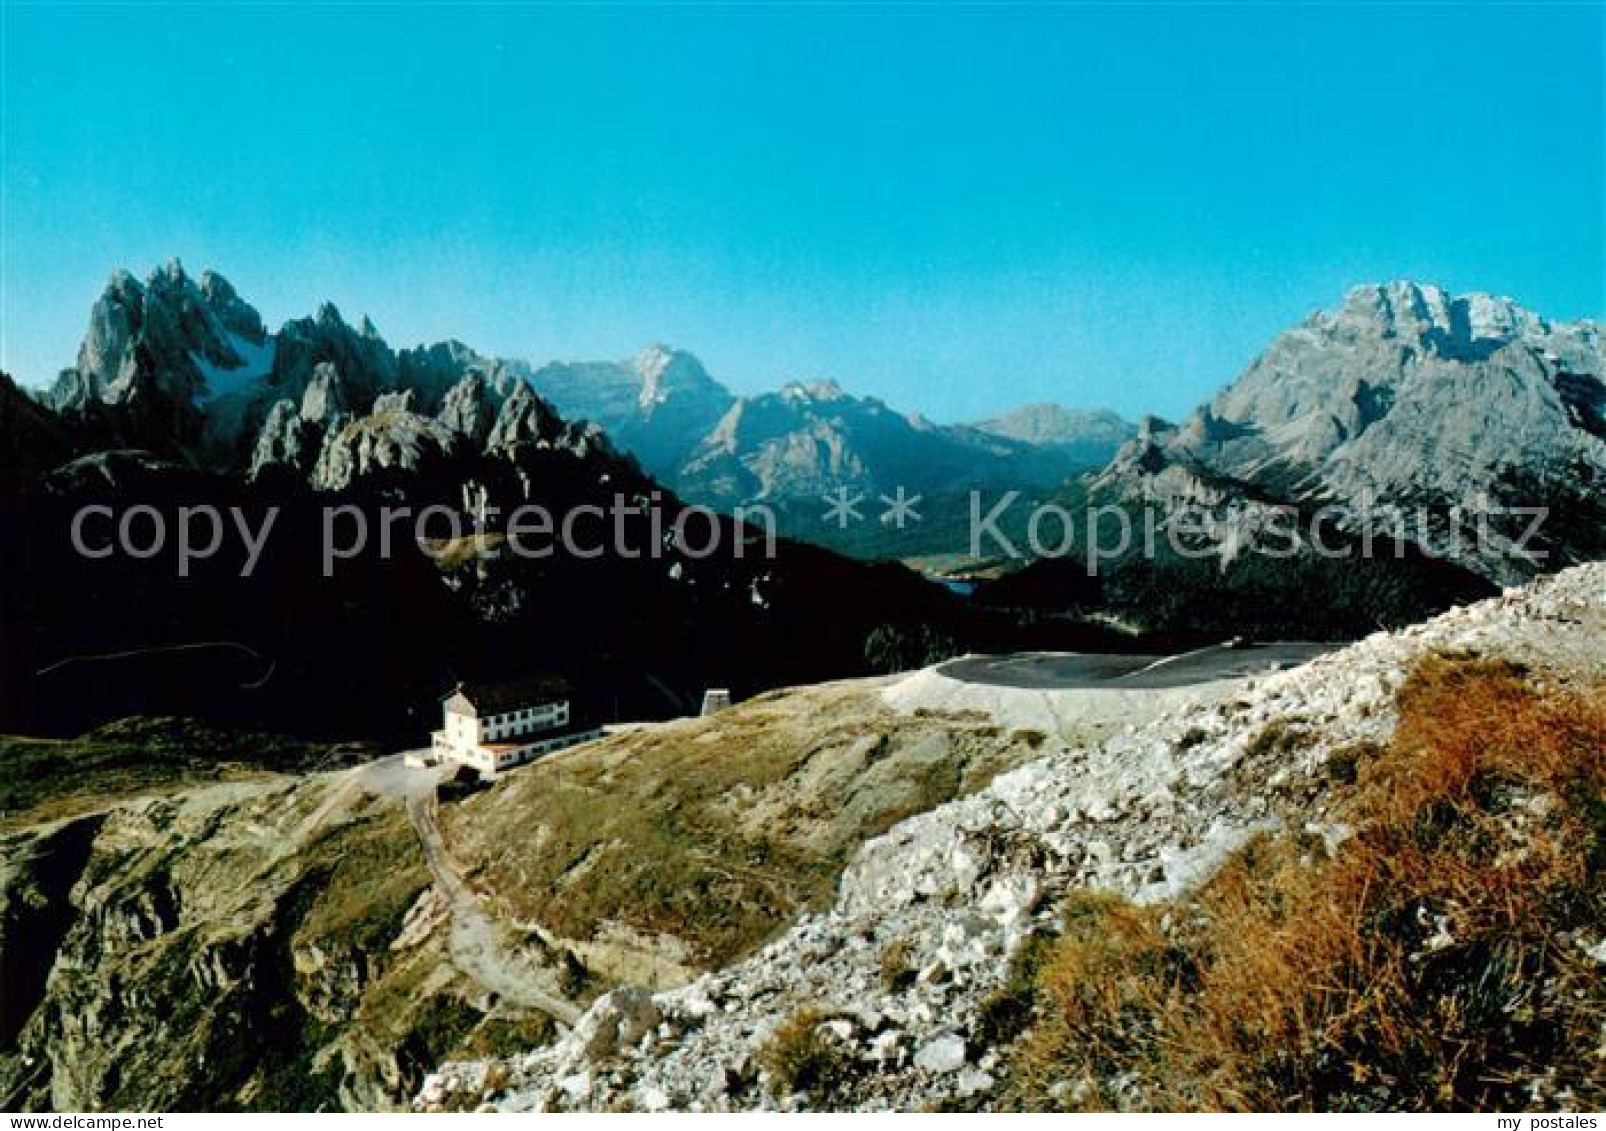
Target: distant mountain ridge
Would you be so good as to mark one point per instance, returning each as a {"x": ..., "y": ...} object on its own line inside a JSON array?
[
  {"x": 656, "y": 405},
  {"x": 808, "y": 438},
  {"x": 1087, "y": 433}
]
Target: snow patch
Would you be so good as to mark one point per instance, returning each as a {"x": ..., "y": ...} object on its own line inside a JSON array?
[{"x": 221, "y": 381}]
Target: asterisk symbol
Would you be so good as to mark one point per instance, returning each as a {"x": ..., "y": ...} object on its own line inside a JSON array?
[
  {"x": 843, "y": 508},
  {"x": 900, "y": 508}
]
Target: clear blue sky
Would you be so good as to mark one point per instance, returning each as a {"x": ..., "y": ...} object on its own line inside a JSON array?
[{"x": 953, "y": 208}]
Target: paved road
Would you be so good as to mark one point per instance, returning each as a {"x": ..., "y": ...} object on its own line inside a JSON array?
[{"x": 1044, "y": 671}]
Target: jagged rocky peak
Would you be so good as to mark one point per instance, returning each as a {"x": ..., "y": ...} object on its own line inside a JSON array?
[
  {"x": 395, "y": 436},
  {"x": 450, "y": 355},
  {"x": 114, "y": 323},
  {"x": 658, "y": 405},
  {"x": 292, "y": 435},
  {"x": 1434, "y": 315},
  {"x": 665, "y": 372},
  {"x": 398, "y": 401},
  {"x": 324, "y": 400},
  {"x": 470, "y": 407},
  {"x": 1352, "y": 364},
  {"x": 366, "y": 365},
  {"x": 233, "y": 312},
  {"x": 524, "y": 418},
  {"x": 824, "y": 391},
  {"x": 436, "y": 369},
  {"x": 164, "y": 346},
  {"x": 287, "y": 439}
]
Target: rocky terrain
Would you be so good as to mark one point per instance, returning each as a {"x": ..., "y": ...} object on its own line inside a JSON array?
[
  {"x": 667, "y": 850},
  {"x": 898, "y": 995},
  {"x": 228, "y": 922},
  {"x": 222, "y": 947}
]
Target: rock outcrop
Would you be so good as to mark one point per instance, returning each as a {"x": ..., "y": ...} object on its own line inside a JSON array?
[
  {"x": 172, "y": 338},
  {"x": 163, "y": 349},
  {"x": 255, "y": 944},
  {"x": 391, "y": 438},
  {"x": 287, "y": 440},
  {"x": 470, "y": 408}
]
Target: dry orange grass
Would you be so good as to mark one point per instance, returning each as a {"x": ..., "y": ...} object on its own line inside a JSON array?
[{"x": 1436, "y": 961}]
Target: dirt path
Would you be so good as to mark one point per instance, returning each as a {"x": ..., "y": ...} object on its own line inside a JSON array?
[{"x": 478, "y": 945}]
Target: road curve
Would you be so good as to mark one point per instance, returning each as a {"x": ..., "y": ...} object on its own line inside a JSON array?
[{"x": 1070, "y": 671}]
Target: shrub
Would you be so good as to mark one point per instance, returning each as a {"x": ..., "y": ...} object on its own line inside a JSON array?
[
  {"x": 1008, "y": 1011},
  {"x": 804, "y": 1056},
  {"x": 1279, "y": 737},
  {"x": 1344, "y": 764},
  {"x": 897, "y": 969},
  {"x": 508, "y": 1036}
]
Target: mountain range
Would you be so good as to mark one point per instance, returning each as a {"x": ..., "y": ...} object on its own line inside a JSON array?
[
  {"x": 194, "y": 370},
  {"x": 1409, "y": 449},
  {"x": 1404, "y": 398}
]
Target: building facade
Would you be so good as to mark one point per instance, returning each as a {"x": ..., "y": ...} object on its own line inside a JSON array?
[
  {"x": 715, "y": 699},
  {"x": 494, "y": 727}
]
